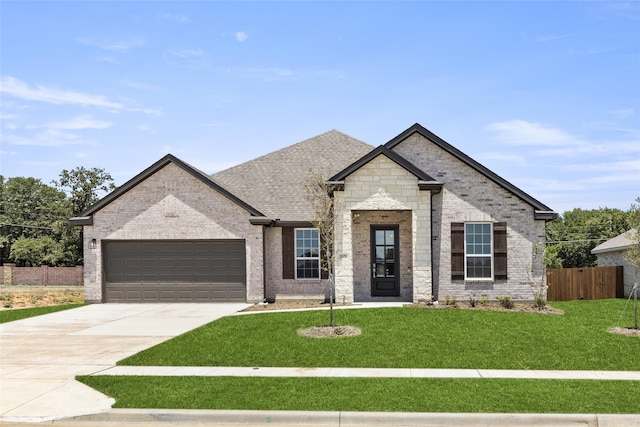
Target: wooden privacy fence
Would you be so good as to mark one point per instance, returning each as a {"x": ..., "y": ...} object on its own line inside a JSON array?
[{"x": 566, "y": 284}]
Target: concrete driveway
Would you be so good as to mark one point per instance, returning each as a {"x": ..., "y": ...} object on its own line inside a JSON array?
[{"x": 40, "y": 356}]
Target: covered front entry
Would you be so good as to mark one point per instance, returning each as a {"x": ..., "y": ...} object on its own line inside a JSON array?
[
  {"x": 174, "y": 271},
  {"x": 385, "y": 271}
]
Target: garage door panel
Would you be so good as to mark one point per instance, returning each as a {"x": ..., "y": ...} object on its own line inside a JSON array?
[{"x": 148, "y": 271}]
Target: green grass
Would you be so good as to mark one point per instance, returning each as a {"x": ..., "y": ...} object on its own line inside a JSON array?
[
  {"x": 23, "y": 313},
  {"x": 367, "y": 394},
  {"x": 414, "y": 338}
]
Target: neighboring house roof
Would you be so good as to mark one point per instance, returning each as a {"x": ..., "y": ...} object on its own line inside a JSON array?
[
  {"x": 85, "y": 218},
  {"x": 618, "y": 243},
  {"x": 424, "y": 179},
  {"x": 542, "y": 210},
  {"x": 274, "y": 182}
]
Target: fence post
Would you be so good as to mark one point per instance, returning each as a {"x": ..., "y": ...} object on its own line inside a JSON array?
[
  {"x": 635, "y": 304},
  {"x": 8, "y": 274}
]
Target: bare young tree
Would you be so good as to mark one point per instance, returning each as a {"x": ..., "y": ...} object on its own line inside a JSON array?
[{"x": 319, "y": 194}]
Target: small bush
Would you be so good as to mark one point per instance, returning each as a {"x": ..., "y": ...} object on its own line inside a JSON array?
[
  {"x": 484, "y": 300},
  {"x": 472, "y": 301},
  {"x": 506, "y": 302},
  {"x": 539, "y": 302},
  {"x": 451, "y": 300},
  {"x": 6, "y": 299}
]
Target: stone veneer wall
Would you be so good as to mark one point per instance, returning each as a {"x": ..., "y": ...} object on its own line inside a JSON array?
[
  {"x": 362, "y": 271},
  {"x": 381, "y": 185},
  {"x": 631, "y": 273},
  {"x": 470, "y": 196},
  {"x": 172, "y": 204},
  {"x": 275, "y": 283}
]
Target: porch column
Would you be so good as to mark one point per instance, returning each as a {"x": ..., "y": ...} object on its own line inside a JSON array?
[
  {"x": 421, "y": 235},
  {"x": 344, "y": 257}
]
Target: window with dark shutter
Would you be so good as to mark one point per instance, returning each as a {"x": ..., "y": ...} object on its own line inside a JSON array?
[
  {"x": 457, "y": 251},
  {"x": 500, "y": 250},
  {"x": 288, "y": 255}
]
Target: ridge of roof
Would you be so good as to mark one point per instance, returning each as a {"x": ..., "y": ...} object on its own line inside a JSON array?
[
  {"x": 618, "y": 243},
  {"x": 418, "y": 128},
  {"x": 161, "y": 163}
]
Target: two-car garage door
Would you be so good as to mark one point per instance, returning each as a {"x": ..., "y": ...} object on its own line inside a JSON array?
[{"x": 174, "y": 271}]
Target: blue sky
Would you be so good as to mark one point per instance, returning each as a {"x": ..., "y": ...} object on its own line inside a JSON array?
[{"x": 546, "y": 94}]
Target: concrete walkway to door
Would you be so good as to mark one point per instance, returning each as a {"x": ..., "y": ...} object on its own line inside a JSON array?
[{"x": 40, "y": 356}]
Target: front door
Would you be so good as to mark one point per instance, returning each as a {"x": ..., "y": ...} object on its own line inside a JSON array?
[{"x": 385, "y": 272}]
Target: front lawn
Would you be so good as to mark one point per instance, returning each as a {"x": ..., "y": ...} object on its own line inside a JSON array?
[
  {"x": 372, "y": 394},
  {"x": 23, "y": 313},
  {"x": 413, "y": 338}
]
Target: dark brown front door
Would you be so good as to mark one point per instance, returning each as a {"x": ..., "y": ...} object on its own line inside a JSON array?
[{"x": 384, "y": 261}]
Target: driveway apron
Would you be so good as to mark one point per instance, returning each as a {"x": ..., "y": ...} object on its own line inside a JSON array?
[{"x": 40, "y": 356}]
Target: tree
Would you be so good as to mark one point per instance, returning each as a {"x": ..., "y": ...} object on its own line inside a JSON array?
[
  {"x": 572, "y": 236},
  {"x": 29, "y": 209},
  {"x": 318, "y": 193},
  {"x": 84, "y": 186}
]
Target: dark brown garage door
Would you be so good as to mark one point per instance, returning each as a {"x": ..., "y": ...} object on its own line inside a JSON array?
[{"x": 174, "y": 271}]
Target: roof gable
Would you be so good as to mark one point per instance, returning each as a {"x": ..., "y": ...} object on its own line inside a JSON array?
[
  {"x": 542, "y": 210},
  {"x": 422, "y": 176},
  {"x": 84, "y": 218}
]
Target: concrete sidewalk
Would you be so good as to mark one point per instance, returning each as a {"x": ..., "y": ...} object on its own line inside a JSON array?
[{"x": 230, "y": 371}]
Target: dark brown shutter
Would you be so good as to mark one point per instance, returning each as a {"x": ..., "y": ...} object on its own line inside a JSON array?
[
  {"x": 500, "y": 250},
  {"x": 288, "y": 255},
  {"x": 457, "y": 251}
]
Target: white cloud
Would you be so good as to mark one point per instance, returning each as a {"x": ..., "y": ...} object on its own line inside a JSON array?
[
  {"x": 48, "y": 138},
  {"x": 241, "y": 36},
  {"x": 114, "y": 45},
  {"x": 180, "y": 19},
  {"x": 520, "y": 132},
  {"x": 544, "y": 38},
  {"x": 79, "y": 122},
  {"x": 514, "y": 159},
  {"x": 623, "y": 113},
  {"x": 186, "y": 53},
  {"x": 17, "y": 88}
]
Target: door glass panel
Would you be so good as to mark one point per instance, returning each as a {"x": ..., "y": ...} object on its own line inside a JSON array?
[
  {"x": 380, "y": 269},
  {"x": 389, "y": 254},
  {"x": 389, "y": 237},
  {"x": 391, "y": 269},
  {"x": 379, "y": 253},
  {"x": 379, "y": 237}
]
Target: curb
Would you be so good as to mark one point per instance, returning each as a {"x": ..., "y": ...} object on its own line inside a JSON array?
[{"x": 347, "y": 419}]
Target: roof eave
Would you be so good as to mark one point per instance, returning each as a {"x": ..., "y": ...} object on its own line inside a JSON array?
[
  {"x": 81, "y": 220},
  {"x": 545, "y": 215}
]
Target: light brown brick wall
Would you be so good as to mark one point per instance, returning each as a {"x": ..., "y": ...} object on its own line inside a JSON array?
[
  {"x": 172, "y": 204},
  {"x": 470, "y": 196}
]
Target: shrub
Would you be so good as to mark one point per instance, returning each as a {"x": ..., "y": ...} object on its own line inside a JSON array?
[
  {"x": 451, "y": 300},
  {"x": 506, "y": 302},
  {"x": 484, "y": 300},
  {"x": 539, "y": 302},
  {"x": 473, "y": 301},
  {"x": 7, "y": 300}
]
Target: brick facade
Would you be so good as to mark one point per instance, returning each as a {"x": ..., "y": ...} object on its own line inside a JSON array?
[
  {"x": 467, "y": 196},
  {"x": 172, "y": 204}
]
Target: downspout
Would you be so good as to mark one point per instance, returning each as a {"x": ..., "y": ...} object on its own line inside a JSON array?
[
  {"x": 433, "y": 283},
  {"x": 264, "y": 264}
]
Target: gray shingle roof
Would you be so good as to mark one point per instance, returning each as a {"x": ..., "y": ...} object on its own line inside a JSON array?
[
  {"x": 273, "y": 183},
  {"x": 618, "y": 243}
]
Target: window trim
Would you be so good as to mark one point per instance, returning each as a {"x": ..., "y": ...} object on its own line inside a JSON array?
[
  {"x": 491, "y": 254},
  {"x": 296, "y": 258}
]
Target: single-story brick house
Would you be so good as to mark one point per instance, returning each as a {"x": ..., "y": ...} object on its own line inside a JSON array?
[
  {"x": 416, "y": 219},
  {"x": 612, "y": 253}
]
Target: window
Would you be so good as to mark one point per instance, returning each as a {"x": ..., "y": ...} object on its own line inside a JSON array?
[
  {"x": 478, "y": 251},
  {"x": 307, "y": 253}
]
